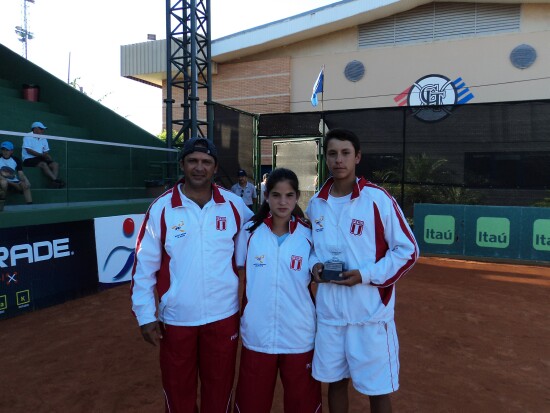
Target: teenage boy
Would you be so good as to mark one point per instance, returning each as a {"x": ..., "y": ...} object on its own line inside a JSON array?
[
  {"x": 185, "y": 251},
  {"x": 11, "y": 174},
  {"x": 363, "y": 243}
]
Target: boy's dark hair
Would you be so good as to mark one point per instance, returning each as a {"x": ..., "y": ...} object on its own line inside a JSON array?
[
  {"x": 276, "y": 176},
  {"x": 343, "y": 135}
]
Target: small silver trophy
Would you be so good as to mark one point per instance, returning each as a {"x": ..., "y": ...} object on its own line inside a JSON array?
[{"x": 333, "y": 267}]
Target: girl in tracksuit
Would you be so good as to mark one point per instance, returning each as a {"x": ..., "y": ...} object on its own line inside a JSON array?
[{"x": 278, "y": 320}]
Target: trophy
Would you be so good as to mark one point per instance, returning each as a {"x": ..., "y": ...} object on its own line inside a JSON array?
[{"x": 333, "y": 267}]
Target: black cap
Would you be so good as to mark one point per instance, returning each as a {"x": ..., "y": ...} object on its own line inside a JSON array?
[
  {"x": 199, "y": 145},
  {"x": 241, "y": 172}
]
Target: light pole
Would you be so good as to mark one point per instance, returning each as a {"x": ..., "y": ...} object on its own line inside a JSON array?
[{"x": 23, "y": 31}]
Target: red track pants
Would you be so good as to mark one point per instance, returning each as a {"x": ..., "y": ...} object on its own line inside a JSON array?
[
  {"x": 258, "y": 375},
  {"x": 210, "y": 351}
]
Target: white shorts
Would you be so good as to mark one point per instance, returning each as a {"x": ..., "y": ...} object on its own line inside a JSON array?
[{"x": 368, "y": 353}]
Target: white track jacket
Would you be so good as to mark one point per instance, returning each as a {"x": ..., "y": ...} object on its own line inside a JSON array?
[
  {"x": 187, "y": 254},
  {"x": 278, "y": 311},
  {"x": 370, "y": 235}
]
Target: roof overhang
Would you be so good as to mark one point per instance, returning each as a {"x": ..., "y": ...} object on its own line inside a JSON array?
[{"x": 304, "y": 26}]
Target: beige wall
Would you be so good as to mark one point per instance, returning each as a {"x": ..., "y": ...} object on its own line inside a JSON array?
[
  {"x": 281, "y": 79},
  {"x": 483, "y": 63},
  {"x": 535, "y": 17}
]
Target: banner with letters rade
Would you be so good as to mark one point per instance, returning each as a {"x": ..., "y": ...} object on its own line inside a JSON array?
[{"x": 43, "y": 265}]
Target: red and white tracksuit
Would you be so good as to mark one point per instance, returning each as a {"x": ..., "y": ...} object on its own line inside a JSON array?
[
  {"x": 356, "y": 334},
  {"x": 186, "y": 254},
  {"x": 370, "y": 235},
  {"x": 278, "y": 320}
]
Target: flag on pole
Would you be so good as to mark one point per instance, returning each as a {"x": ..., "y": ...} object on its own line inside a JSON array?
[{"x": 318, "y": 86}]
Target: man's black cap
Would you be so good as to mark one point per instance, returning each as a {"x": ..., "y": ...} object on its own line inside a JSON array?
[{"x": 199, "y": 145}]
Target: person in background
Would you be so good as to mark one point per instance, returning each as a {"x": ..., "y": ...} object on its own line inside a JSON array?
[
  {"x": 262, "y": 187},
  {"x": 244, "y": 189},
  {"x": 363, "y": 245},
  {"x": 36, "y": 153},
  {"x": 185, "y": 285},
  {"x": 278, "y": 322},
  {"x": 11, "y": 174}
]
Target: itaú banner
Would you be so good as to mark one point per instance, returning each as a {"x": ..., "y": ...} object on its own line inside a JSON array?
[
  {"x": 115, "y": 239},
  {"x": 43, "y": 265}
]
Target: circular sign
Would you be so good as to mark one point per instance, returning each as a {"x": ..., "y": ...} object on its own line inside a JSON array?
[{"x": 430, "y": 96}]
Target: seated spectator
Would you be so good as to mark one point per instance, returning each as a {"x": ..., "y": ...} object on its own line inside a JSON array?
[
  {"x": 11, "y": 175},
  {"x": 36, "y": 154}
]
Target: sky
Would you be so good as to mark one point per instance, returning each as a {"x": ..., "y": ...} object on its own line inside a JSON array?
[{"x": 80, "y": 40}]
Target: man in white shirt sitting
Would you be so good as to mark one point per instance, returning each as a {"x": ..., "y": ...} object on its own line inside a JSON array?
[{"x": 36, "y": 154}]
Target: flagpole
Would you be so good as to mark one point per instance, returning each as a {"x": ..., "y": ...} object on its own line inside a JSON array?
[
  {"x": 323, "y": 92},
  {"x": 321, "y": 171}
]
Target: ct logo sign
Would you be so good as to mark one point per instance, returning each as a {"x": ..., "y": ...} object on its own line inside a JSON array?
[{"x": 429, "y": 95}]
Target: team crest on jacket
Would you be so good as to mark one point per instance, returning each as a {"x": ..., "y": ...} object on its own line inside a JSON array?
[
  {"x": 319, "y": 223},
  {"x": 356, "y": 227},
  {"x": 221, "y": 223},
  {"x": 296, "y": 263},
  {"x": 179, "y": 228},
  {"x": 260, "y": 261}
]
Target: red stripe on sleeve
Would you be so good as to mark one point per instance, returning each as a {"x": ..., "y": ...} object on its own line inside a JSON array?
[
  {"x": 381, "y": 244},
  {"x": 163, "y": 274},
  {"x": 138, "y": 245},
  {"x": 238, "y": 223}
]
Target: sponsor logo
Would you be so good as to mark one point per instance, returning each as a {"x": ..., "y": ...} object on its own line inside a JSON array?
[
  {"x": 35, "y": 252},
  {"x": 296, "y": 263},
  {"x": 356, "y": 227},
  {"x": 221, "y": 223},
  {"x": 234, "y": 336},
  {"x": 23, "y": 298},
  {"x": 260, "y": 259},
  {"x": 128, "y": 229},
  {"x": 319, "y": 223},
  {"x": 439, "y": 229},
  {"x": 179, "y": 228},
  {"x": 493, "y": 232},
  {"x": 541, "y": 234},
  {"x": 432, "y": 96},
  {"x": 9, "y": 279},
  {"x": 115, "y": 240}
]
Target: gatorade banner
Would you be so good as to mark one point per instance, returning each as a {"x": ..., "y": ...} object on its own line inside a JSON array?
[
  {"x": 115, "y": 239},
  {"x": 43, "y": 265}
]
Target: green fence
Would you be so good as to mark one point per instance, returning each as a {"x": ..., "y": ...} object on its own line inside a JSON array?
[{"x": 521, "y": 233}]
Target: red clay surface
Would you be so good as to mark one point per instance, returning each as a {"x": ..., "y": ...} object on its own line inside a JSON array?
[{"x": 475, "y": 337}]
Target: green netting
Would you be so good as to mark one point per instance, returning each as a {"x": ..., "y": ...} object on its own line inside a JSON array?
[{"x": 480, "y": 154}]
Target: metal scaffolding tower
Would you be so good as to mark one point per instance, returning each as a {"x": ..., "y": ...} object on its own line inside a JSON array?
[
  {"x": 23, "y": 31},
  {"x": 188, "y": 67}
]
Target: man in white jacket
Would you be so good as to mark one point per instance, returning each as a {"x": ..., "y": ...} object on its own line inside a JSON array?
[
  {"x": 363, "y": 245},
  {"x": 184, "y": 259}
]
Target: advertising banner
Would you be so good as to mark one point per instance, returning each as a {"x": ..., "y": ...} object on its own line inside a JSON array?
[
  {"x": 485, "y": 231},
  {"x": 115, "y": 239},
  {"x": 439, "y": 230},
  {"x": 43, "y": 265}
]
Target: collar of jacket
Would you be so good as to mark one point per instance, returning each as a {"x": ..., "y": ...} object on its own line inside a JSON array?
[
  {"x": 360, "y": 183},
  {"x": 292, "y": 224},
  {"x": 176, "y": 198}
]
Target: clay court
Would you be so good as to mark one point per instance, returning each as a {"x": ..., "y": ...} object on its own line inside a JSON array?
[{"x": 475, "y": 337}]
